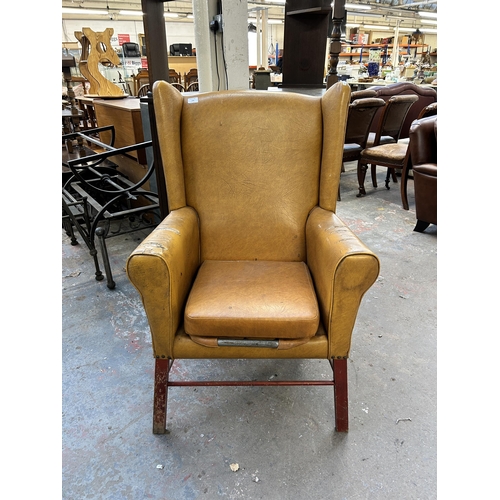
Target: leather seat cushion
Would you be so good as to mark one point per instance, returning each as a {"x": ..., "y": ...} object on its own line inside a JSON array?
[
  {"x": 352, "y": 151},
  {"x": 352, "y": 148},
  {"x": 389, "y": 153},
  {"x": 252, "y": 299}
]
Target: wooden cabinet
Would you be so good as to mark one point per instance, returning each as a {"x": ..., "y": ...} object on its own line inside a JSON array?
[{"x": 305, "y": 37}]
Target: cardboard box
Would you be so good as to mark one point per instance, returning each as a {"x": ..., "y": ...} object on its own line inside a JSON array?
[
  {"x": 404, "y": 40},
  {"x": 358, "y": 37}
]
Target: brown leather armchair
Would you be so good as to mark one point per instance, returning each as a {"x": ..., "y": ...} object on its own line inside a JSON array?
[
  {"x": 423, "y": 150},
  {"x": 251, "y": 261}
]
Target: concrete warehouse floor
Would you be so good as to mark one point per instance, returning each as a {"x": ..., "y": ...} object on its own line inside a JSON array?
[{"x": 282, "y": 439}]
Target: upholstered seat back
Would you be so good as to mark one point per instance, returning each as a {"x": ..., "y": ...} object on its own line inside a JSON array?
[
  {"x": 395, "y": 112},
  {"x": 249, "y": 163},
  {"x": 360, "y": 117},
  {"x": 426, "y": 96}
]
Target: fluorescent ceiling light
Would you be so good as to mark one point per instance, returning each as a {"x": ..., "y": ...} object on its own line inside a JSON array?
[
  {"x": 353, "y": 25},
  {"x": 269, "y": 21},
  {"x": 374, "y": 27},
  {"x": 130, "y": 13},
  {"x": 428, "y": 21},
  {"x": 86, "y": 12},
  {"x": 427, "y": 14},
  {"x": 428, "y": 30},
  {"x": 356, "y": 6},
  {"x": 363, "y": 14},
  {"x": 170, "y": 14}
]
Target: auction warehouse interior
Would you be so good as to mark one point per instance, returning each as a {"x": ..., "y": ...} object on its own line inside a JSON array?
[{"x": 249, "y": 249}]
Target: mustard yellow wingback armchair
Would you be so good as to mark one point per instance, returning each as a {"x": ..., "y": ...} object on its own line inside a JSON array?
[{"x": 251, "y": 261}]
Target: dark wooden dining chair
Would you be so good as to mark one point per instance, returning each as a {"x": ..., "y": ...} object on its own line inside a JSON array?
[
  {"x": 359, "y": 120},
  {"x": 391, "y": 154},
  {"x": 175, "y": 80},
  {"x": 143, "y": 91},
  {"x": 191, "y": 80},
  {"x": 174, "y": 76},
  {"x": 142, "y": 78}
]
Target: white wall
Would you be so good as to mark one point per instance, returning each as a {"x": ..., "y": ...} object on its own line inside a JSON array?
[{"x": 176, "y": 32}]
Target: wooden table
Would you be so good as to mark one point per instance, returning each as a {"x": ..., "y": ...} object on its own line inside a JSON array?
[{"x": 125, "y": 115}]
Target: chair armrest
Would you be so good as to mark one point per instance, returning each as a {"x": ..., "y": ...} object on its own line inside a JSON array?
[
  {"x": 423, "y": 140},
  {"x": 343, "y": 269},
  {"x": 162, "y": 269}
]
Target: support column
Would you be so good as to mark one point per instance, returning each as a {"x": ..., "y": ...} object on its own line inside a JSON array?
[
  {"x": 234, "y": 39},
  {"x": 395, "y": 47},
  {"x": 203, "y": 12},
  {"x": 156, "y": 40},
  {"x": 221, "y": 55},
  {"x": 259, "y": 38},
  {"x": 157, "y": 56},
  {"x": 264, "y": 39}
]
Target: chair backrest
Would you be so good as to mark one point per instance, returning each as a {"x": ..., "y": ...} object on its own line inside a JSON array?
[
  {"x": 429, "y": 110},
  {"x": 142, "y": 78},
  {"x": 131, "y": 49},
  {"x": 426, "y": 96},
  {"x": 173, "y": 76},
  {"x": 252, "y": 165},
  {"x": 359, "y": 119},
  {"x": 178, "y": 86},
  {"x": 362, "y": 94},
  {"x": 193, "y": 87},
  {"x": 190, "y": 77},
  {"x": 143, "y": 91},
  {"x": 393, "y": 116}
]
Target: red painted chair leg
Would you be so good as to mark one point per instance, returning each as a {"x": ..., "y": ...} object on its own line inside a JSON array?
[
  {"x": 162, "y": 368},
  {"x": 340, "y": 395}
]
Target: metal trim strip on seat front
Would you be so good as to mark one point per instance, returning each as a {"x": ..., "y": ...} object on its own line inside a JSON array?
[{"x": 273, "y": 344}]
